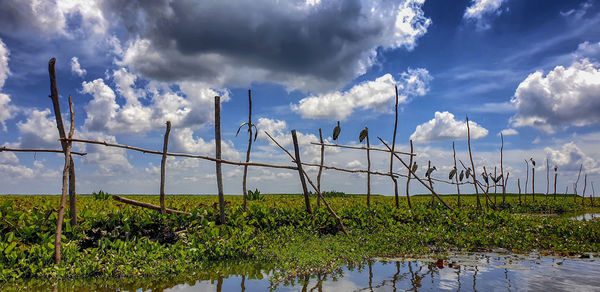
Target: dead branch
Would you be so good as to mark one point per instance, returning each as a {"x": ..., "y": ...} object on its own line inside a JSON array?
[
  {"x": 362, "y": 148},
  {"x": 163, "y": 166},
  {"x": 218, "y": 156},
  {"x": 147, "y": 205},
  {"x": 472, "y": 164},
  {"x": 2, "y": 149},
  {"x": 301, "y": 172}
]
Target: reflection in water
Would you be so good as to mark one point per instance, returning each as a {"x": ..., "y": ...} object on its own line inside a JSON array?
[
  {"x": 491, "y": 272},
  {"x": 586, "y": 216}
]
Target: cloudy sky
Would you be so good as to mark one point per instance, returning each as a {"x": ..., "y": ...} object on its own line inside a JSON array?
[{"x": 528, "y": 69}]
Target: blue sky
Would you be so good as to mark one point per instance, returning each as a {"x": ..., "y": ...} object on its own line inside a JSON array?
[{"x": 528, "y": 68}]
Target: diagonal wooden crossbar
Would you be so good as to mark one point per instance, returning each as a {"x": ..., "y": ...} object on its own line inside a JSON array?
[{"x": 3, "y": 149}]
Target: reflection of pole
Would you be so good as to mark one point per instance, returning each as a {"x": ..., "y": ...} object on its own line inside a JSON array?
[
  {"x": 220, "y": 284},
  {"x": 475, "y": 278},
  {"x": 396, "y": 275},
  {"x": 243, "y": 285},
  {"x": 370, "y": 275}
]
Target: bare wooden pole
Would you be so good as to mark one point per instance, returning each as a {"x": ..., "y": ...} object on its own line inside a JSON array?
[
  {"x": 533, "y": 182},
  {"x": 147, "y": 205},
  {"x": 63, "y": 198},
  {"x": 301, "y": 173},
  {"x": 584, "y": 187},
  {"x": 163, "y": 167},
  {"x": 2, "y": 149},
  {"x": 362, "y": 148},
  {"x": 369, "y": 170},
  {"x": 331, "y": 211},
  {"x": 244, "y": 190},
  {"x": 495, "y": 185},
  {"x": 593, "y": 194},
  {"x": 487, "y": 191},
  {"x": 455, "y": 175},
  {"x": 519, "y": 186},
  {"x": 472, "y": 164},
  {"x": 415, "y": 175},
  {"x": 72, "y": 194},
  {"x": 321, "y": 166},
  {"x": 502, "y": 168},
  {"x": 392, "y": 151},
  {"x": 147, "y": 151},
  {"x": 576, "y": 183},
  {"x": 218, "y": 156},
  {"x": 430, "y": 182},
  {"x": 410, "y": 164},
  {"x": 555, "y": 178}
]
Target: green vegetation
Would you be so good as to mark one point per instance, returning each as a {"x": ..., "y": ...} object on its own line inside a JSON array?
[
  {"x": 101, "y": 195},
  {"x": 255, "y": 195},
  {"x": 116, "y": 240}
]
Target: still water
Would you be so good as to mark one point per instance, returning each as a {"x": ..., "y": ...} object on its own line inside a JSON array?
[{"x": 460, "y": 272}]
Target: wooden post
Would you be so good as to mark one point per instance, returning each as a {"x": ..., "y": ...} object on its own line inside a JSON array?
[
  {"x": 519, "y": 186},
  {"x": 584, "y": 187},
  {"x": 65, "y": 185},
  {"x": 576, "y": 183},
  {"x": 72, "y": 193},
  {"x": 526, "y": 176},
  {"x": 321, "y": 167},
  {"x": 455, "y": 175},
  {"x": 593, "y": 194},
  {"x": 163, "y": 166},
  {"x": 218, "y": 156},
  {"x": 410, "y": 164},
  {"x": 250, "y": 125},
  {"x": 472, "y": 164},
  {"x": 301, "y": 172},
  {"x": 392, "y": 151},
  {"x": 547, "y": 177},
  {"x": 533, "y": 182},
  {"x": 368, "y": 171},
  {"x": 555, "y": 177},
  {"x": 430, "y": 182},
  {"x": 495, "y": 175}
]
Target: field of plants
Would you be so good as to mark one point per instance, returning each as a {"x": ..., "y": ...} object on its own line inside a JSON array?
[{"x": 114, "y": 240}]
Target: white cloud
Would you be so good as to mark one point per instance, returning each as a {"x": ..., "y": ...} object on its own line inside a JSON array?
[
  {"x": 7, "y": 111},
  {"x": 377, "y": 95},
  {"x": 444, "y": 127},
  {"x": 495, "y": 107},
  {"x": 76, "y": 67},
  {"x": 39, "y": 130},
  {"x": 354, "y": 164},
  {"x": 588, "y": 50},
  {"x": 193, "y": 108},
  {"x": 110, "y": 161},
  {"x": 183, "y": 141},
  {"x": 564, "y": 97},
  {"x": 508, "y": 132},
  {"x": 8, "y": 158},
  {"x": 278, "y": 130},
  {"x": 570, "y": 156},
  {"x": 481, "y": 9}
]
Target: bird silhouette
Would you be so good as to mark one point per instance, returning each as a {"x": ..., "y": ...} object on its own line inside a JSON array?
[
  {"x": 363, "y": 134},
  {"x": 468, "y": 172},
  {"x": 497, "y": 179},
  {"x": 336, "y": 132},
  {"x": 462, "y": 174},
  {"x": 555, "y": 168},
  {"x": 429, "y": 171},
  {"x": 414, "y": 167},
  {"x": 485, "y": 178},
  {"x": 532, "y": 161},
  {"x": 452, "y": 173}
]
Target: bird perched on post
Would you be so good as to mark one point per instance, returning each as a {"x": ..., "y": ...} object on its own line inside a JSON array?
[
  {"x": 497, "y": 179},
  {"x": 462, "y": 174},
  {"x": 555, "y": 168},
  {"x": 532, "y": 161},
  {"x": 485, "y": 178},
  {"x": 429, "y": 171},
  {"x": 452, "y": 173},
  {"x": 468, "y": 172},
  {"x": 414, "y": 167},
  {"x": 363, "y": 134},
  {"x": 336, "y": 132}
]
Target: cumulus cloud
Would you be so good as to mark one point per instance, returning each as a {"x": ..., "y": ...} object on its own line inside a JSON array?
[
  {"x": 570, "y": 157},
  {"x": 278, "y": 130},
  {"x": 444, "y": 127},
  {"x": 7, "y": 111},
  {"x": 183, "y": 141},
  {"x": 588, "y": 50},
  {"x": 191, "y": 107},
  {"x": 76, "y": 67},
  {"x": 309, "y": 46},
  {"x": 481, "y": 10},
  {"x": 377, "y": 95},
  {"x": 508, "y": 132},
  {"x": 564, "y": 97},
  {"x": 110, "y": 161},
  {"x": 39, "y": 130},
  {"x": 50, "y": 18}
]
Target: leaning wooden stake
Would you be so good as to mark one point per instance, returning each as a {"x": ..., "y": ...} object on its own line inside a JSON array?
[
  {"x": 65, "y": 185},
  {"x": 555, "y": 177},
  {"x": 163, "y": 166},
  {"x": 331, "y": 211},
  {"x": 519, "y": 186},
  {"x": 526, "y": 177},
  {"x": 584, "y": 187},
  {"x": 250, "y": 125},
  {"x": 301, "y": 172},
  {"x": 533, "y": 182},
  {"x": 72, "y": 193},
  {"x": 218, "y": 156},
  {"x": 472, "y": 164},
  {"x": 547, "y": 177},
  {"x": 430, "y": 182},
  {"x": 455, "y": 175},
  {"x": 392, "y": 152},
  {"x": 321, "y": 167},
  {"x": 576, "y": 183},
  {"x": 410, "y": 164},
  {"x": 415, "y": 175},
  {"x": 147, "y": 205},
  {"x": 593, "y": 194},
  {"x": 369, "y": 171}
]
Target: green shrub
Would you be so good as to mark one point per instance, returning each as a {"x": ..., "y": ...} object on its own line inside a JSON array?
[
  {"x": 255, "y": 195},
  {"x": 101, "y": 195}
]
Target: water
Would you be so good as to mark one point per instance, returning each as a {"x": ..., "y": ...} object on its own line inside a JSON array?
[
  {"x": 587, "y": 216},
  {"x": 472, "y": 272}
]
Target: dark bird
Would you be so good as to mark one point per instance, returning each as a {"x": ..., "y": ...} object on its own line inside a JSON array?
[
  {"x": 363, "y": 134},
  {"x": 414, "y": 167},
  {"x": 532, "y": 161},
  {"x": 468, "y": 172},
  {"x": 336, "y": 132},
  {"x": 429, "y": 171},
  {"x": 485, "y": 178},
  {"x": 497, "y": 179},
  {"x": 555, "y": 168},
  {"x": 462, "y": 174},
  {"x": 452, "y": 173}
]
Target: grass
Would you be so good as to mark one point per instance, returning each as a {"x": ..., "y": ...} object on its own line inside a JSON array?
[{"x": 116, "y": 240}]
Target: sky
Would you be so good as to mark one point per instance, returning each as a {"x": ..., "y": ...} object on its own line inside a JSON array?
[{"x": 527, "y": 69}]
